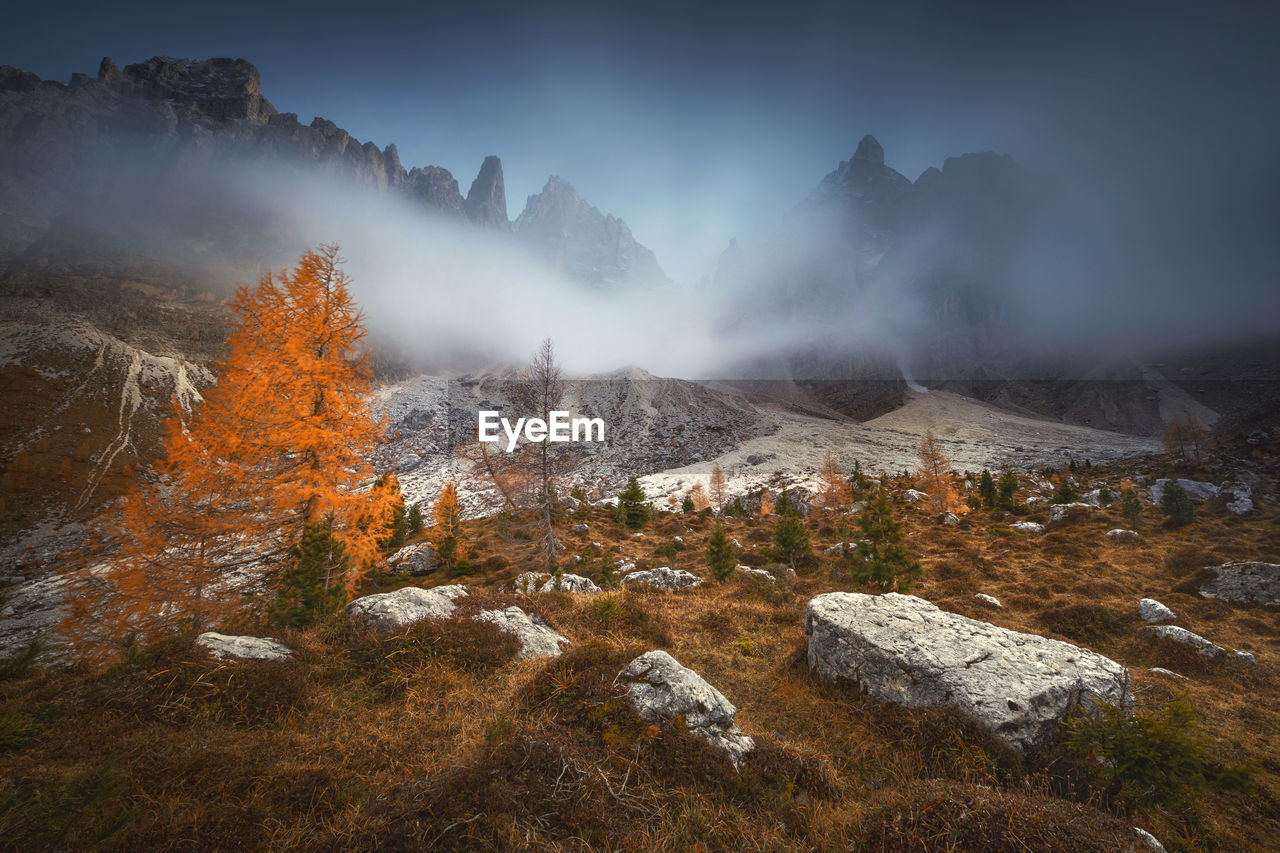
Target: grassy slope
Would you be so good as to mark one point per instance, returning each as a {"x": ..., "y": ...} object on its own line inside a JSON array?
[{"x": 437, "y": 737}]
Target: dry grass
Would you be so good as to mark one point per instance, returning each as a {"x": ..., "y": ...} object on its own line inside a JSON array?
[{"x": 438, "y": 738}]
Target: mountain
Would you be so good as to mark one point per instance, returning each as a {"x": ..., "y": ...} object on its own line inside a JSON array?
[
  {"x": 486, "y": 203},
  {"x": 585, "y": 244}
]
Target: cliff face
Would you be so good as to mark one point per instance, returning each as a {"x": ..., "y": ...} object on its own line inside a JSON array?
[{"x": 585, "y": 244}]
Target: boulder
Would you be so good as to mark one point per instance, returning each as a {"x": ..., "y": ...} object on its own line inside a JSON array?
[
  {"x": 950, "y": 519},
  {"x": 1120, "y": 535},
  {"x": 659, "y": 688},
  {"x": 1198, "y": 644},
  {"x": 988, "y": 599},
  {"x": 392, "y": 610},
  {"x": 537, "y": 639},
  {"x": 757, "y": 573},
  {"x": 416, "y": 559},
  {"x": 1149, "y": 840},
  {"x": 1061, "y": 512},
  {"x": 1028, "y": 526},
  {"x": 527, "y": 583},
  {"x": 1238, "y": 498},
  {"x": 1245, "y": 583},
  {"x": 913, "y": 496},
  {"x": 664, "y": 578},
  {"x": 570, "y": 583},
  {"x": 578, "y": 528},
  {"x": 1150, "y": 610},
  {"x": 1195, "y": 490},
  {"x": 902, "y": 649},
  {"x": 226, "y": 647}
]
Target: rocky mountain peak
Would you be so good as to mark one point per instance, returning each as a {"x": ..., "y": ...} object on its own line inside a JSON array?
[
  {"x": 869, "y": 151},
  {"x": 487, "y": 199},
  {"x": 218, "y": 88},
  {"x": 582, "y": 242}
]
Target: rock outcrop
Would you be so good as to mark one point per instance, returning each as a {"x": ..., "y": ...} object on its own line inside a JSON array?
[
  {"x": 486, "y": 204},
  {"x": 1152, "y": 611},
  {"x": 1120, "y": 535},
  {"x": 416, "y": 559},
  {"x": 1202, "y": 647},
  {"x": 227, "y": 647},
  {"x": 1028, "y": 526},
  {"x": 902, "y": 649},
  {"x": 659, "y": 688},
  {"x": 583, "y": 243},
  {"x": 537, "y": 639},
  {"x": 1195, "y": 489},
  {"x": 664, "y": 578},
  {"x": 399, "y": 609},
  {"x": 1062, "y": 512},
  {"x": 1244, "y": 583},
  {"x": 531, "y": 582}
]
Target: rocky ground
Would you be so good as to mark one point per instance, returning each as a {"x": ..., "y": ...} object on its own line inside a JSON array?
[{"x": 764, "y": 712}]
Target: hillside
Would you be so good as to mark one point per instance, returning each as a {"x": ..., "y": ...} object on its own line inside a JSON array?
[{"x": 433, "y": 736}]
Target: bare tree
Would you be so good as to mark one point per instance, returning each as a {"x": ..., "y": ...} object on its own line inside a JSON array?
[
  {"x": 538, "y": 393},
  {"x": 719, "y": 488}
]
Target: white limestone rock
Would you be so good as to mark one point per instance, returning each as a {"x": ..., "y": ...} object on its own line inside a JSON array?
[
  {"x": 228, "y": 647},
  {"x": 1244, "y": 583},
  {"x": 1202, "y": 647},
  {"x": 1028, "y": 526},
  {"x": 393, "y": 610},
  {"x": 1119, "y": 534},
  {"x": 664, "y": 578},
  {"x": 1150, "y": 610},
  {"x": 537, "y": 638},
  {"x": 1195, "y": 490},
  {"x": 659, "y": 688},
  {"x": 1061, "y": 512},
  {"x": 416, "y": 559},
  {"x": 902, "y": 649},
  {"x": 988, "y": 599}
]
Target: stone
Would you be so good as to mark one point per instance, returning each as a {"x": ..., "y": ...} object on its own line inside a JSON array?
[
  {"x": 664, "y": 578},
  {"x": 950, "y": 519},
  {"x": 1148, "y": 839},
  {"x": 570, "y": 583},
  {"x": 1028, "y": 526},
  {"x": 527, "y": 583},
  {"x": 1244, "y": 583},
  {"x": 578, "y": 528},
  {"x": 1238, "y": 498},
  {"x": 1202, "y": 647},
  {"x": 902, "y": 649},
  {"x": 1061, "y": 512},
  {"x": 757, "y": 573},
  {"x": 660, "y": 688},
  {"x": 392, "y": 610},
  {"x": 988, "y": 599},
  {"x": 537, "y": 638},
  {"x": 1195, "y": 489},
  {"x": 416, "y": 559},
  {"x": 1120, "y": 535},
  {"x": 913, "y": 496},
  {"x": 227, "y": 647},
  {"x": 1150, "y": 610},
  {"x": 1162, "y": 671}
]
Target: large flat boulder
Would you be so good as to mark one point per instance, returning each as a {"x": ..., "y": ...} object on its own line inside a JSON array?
[
  {"x": 228, "y": 647},
  {"x": 1244, "y": 583},
  {"x": 902, "y": 649},
  {"x": 1204, "y": 648},
  {"x": 416, "y": 559},
  {"x": 664, "y": 578},
  {"x": 537, "y": 638},
  {"x": 660, "y": 688},
  {"x": 1195, "y": 490},
  {"x": 399, "y": 609}
]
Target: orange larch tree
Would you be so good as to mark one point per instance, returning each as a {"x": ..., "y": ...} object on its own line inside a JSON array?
[
  {"x": 835, "y": 492},
  {"x": 698, "y": 494},
  {"x": 445, "y": 534},
  {"x": 719, "y": 488},
  {"x": 279, "y": 446},
  {"x": 935, "y": 471}
]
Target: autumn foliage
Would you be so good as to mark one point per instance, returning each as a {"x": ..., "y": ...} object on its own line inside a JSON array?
[
  {"x": 278, "y": 447},
  {"x": 935, "y": 474},
  {"x": 835, "y": 492},
  {"x": 445, "y": 534}
]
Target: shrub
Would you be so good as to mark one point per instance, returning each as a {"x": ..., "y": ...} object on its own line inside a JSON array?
[
  {"x": 1065, "y": 493},
  {"x": 312, "y": 585},
  {"x": 1143, "y": 758},
  {"x": 881, "y": 558},
  {"x": 987, "y": 489},
  {"x": 1130, "y": 507},
  {"x": 790, "y": 538},
  {"x": 608, "y": 570},
  {"x": 687, "y": 507},
  {"x": 720, "y": 554},
  {"x": 414, "y": 519},
  {"x": 632, "y": 511},
  {"x": 1005, "y": 490},
  {"x": 1176, "y": 505}
]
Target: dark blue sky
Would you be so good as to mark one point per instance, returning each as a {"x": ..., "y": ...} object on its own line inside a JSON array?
[{"x": 698, "y": 122}]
